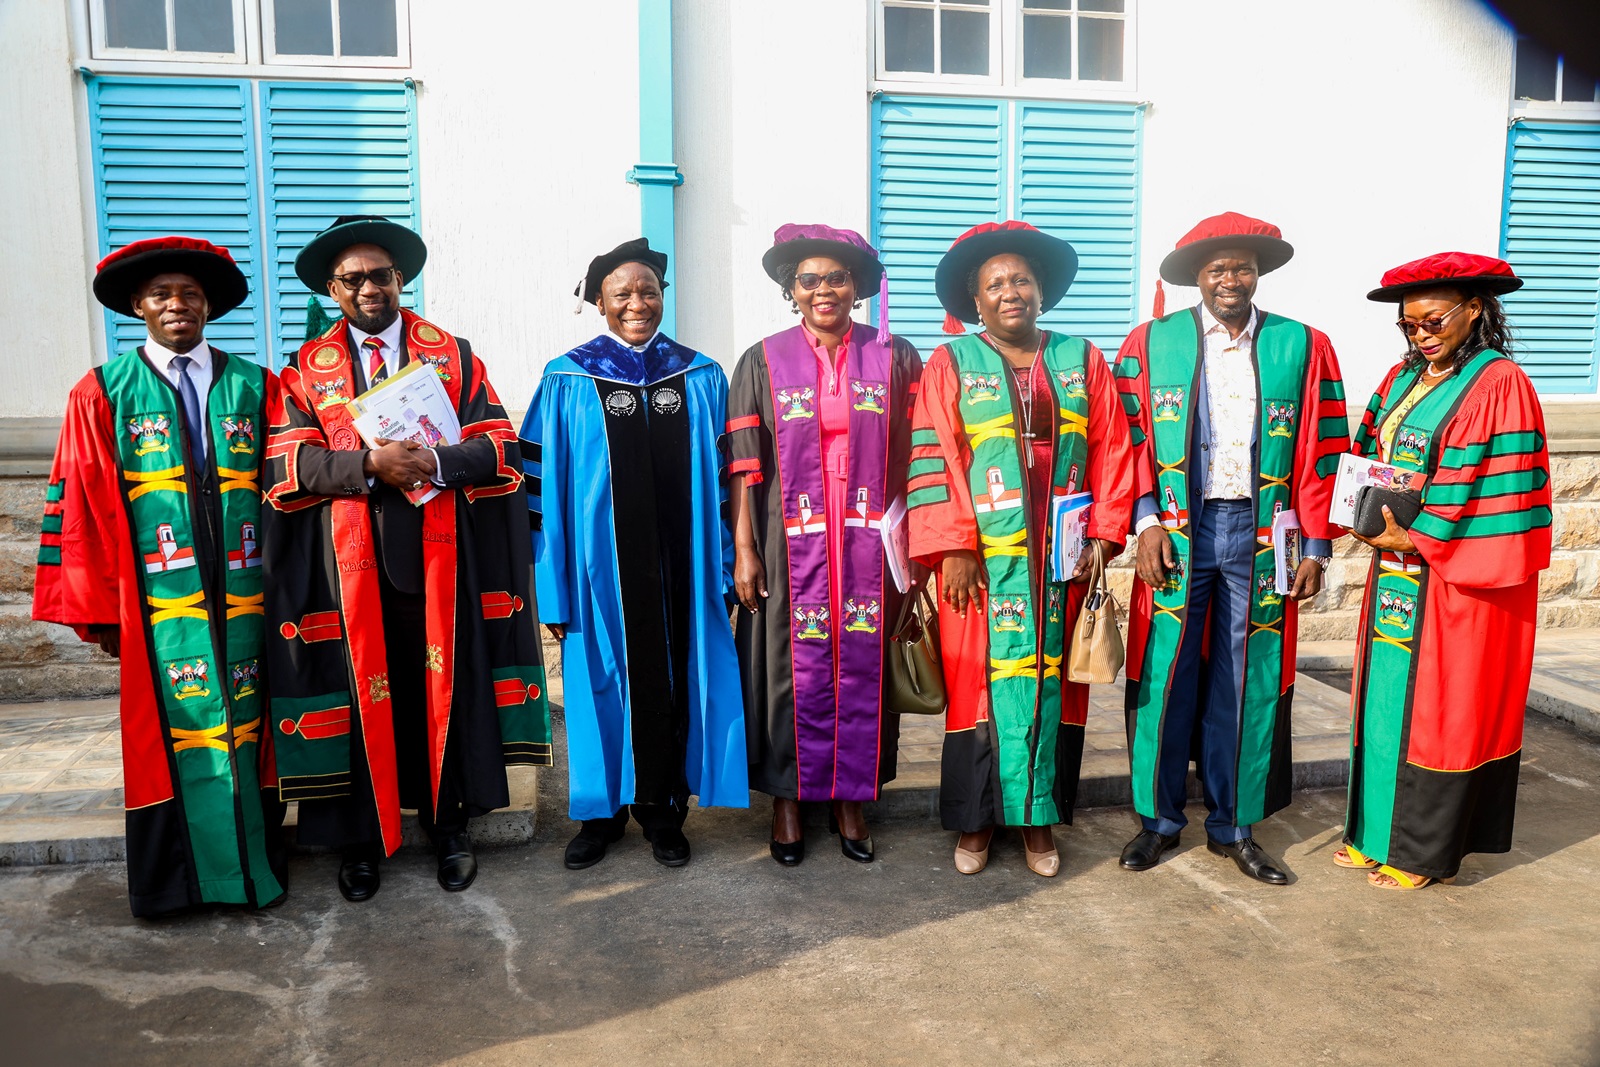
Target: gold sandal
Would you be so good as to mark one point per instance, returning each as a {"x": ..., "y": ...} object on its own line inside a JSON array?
[
  {"x": 1353, "y": 860},
  {"x": 1402, "y": 880}
]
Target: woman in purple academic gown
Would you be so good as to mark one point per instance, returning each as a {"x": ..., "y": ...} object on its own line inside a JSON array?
[{"x": 819, "y": 435}]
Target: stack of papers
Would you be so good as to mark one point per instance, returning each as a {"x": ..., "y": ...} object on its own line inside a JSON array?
[
  {"x": 1356, "y": 472},
  {"x": 1287, "y": 549},
  {"x": 413, "y": 405}
]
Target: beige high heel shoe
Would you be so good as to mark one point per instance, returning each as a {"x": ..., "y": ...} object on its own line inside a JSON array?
[
  {"x": 1044, "y": 864},
  {"x": 969, "y": 862}
]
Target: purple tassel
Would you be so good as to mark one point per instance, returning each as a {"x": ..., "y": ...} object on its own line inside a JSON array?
[{"x": 884, "y": 336}]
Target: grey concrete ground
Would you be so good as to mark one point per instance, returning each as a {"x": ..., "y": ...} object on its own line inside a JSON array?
[{"x": 732, "y": 960}]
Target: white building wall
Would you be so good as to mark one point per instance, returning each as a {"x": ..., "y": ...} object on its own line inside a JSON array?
[
  {"x": 525, "y": 144},
  {"x": 46, "y": 259}
]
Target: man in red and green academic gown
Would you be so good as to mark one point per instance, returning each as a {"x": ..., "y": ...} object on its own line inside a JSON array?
[
  {"x": 1237, "y": 415},
  {"x": 403, "y": 635},
  {"x": 150, "y": 549}
]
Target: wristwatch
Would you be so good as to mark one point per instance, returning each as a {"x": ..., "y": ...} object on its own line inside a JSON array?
[{"x": 1322, "y": 561}]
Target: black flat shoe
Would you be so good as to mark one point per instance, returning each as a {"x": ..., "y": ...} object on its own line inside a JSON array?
[
  {"x": 859, "y": 850},
  {"x": 788, "y": 853},
  {"x": 589, "y": 847},
  {"x": 358, "y": 879},
  {"x": 457, "y": 865},
  {"x": 1251, "y": 858},
  {"x": 668, "y": 845},
  {"x": 1146, "y": 850}
]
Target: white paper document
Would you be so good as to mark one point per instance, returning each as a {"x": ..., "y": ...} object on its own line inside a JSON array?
[
  {"x": 412, "y": 405},
  {"x": 1355, "y": 472},
  {"x": 897, "y": 543},
  {"x": 1069, "y": 525}
]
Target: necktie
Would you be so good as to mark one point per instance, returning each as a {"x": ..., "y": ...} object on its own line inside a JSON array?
[
  {"x": 193, "y": 427},
  {"x": 377, "y": 368}
]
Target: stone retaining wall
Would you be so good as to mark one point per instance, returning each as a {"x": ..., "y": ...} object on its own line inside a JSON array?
[{"x": 40, "y": 661}]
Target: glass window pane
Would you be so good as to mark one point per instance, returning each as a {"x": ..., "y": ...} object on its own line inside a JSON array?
[
  {"x": 303, "y": 27},
  {"x": 964, "y": 42},
  {"x": 1577, "y": 84},
  {"x": 203, "y": 25},
  {"x": 1100, "y": 50},
  {"x": 1047, "y": 5},
  {"x": 1536, "y": 71},
  {"x": 908, "y": 39},
  {"x": 1046, "y": 46},
  {"x": 136, "y": 24},
  {"x": 1100, "y": 5},
  {"x": 367, "y": 28}
]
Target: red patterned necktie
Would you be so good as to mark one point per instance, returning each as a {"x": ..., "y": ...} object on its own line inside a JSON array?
[{"x": 377, "y": 369}]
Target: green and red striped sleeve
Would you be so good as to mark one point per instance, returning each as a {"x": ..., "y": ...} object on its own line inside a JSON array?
[
  {"x": 1486, "y": 513},
  {"x": 1133, "y": 388},
  {"x": 1324, "y": 438}
]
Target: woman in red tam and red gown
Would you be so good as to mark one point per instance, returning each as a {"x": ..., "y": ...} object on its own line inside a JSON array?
[{"x": 1447, "y": 625}]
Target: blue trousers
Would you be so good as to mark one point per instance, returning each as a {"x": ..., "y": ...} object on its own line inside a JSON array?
[{"x": 1221, "y": 571}]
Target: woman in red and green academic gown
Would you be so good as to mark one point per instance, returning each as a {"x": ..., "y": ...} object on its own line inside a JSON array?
[
  {"x": 150, "y": 549},
  {"x": 1451, "y": 607},
  {"x": 1006, "y": 420},
  {"x": 819, "y": 426}
]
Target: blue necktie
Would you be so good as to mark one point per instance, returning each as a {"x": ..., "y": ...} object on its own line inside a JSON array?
[{"x": 191, "y": 409}]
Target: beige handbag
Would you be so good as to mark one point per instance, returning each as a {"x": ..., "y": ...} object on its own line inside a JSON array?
[{"x": 1096, "y": 652}]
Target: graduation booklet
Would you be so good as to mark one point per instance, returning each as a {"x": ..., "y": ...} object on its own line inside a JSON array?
[
  {"x": 897, "y": 543},
  {"x": 1069, "y": 525},
  {"x": 411, "y": 405},
  {"x": 1288, "y": 549},
  {"x": 1356, "y": 472}
]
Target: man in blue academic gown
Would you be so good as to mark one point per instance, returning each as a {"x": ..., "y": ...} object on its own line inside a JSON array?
[{"x": 633, "y": 562}]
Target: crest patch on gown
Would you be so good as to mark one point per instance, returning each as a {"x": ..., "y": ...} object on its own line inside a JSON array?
[
  {"x": 241, "y": 433},
  {"x": 666, "y": 401},
  {"x": 797, "y": 403},
  {"x": 1397, "y": 611},
  {"x": 1074, "y": 386},
  {"x": 980, "y": 388},
  {"x": 150, "y": 433},
  {"x": 1410, "y": 445},
  {"x": 440, "y": 363},
  {"x": 169, "y": 555},
  {"x": 331, "y": 392},
  {"x": 811, "y": 622},
  {"x": 998, "y": 497},
  {"x": 1010, "y": 615},
  {"x": 1280, "y": 418},
  {"x": 1166, "y": 405},
  {"x": 621, "y": 403},
  {"x": 869, "y": 396},
  {"x": 246, "y": 675},
  {"x": 1267, "y": 589},
  {"x": 248, "y": 554},
  {"x": 190, "y": 679},
  {"x": 862, "y": 616}
]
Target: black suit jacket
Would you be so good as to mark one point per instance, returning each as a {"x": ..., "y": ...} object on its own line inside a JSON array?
[{"x": 396, "y": 523}]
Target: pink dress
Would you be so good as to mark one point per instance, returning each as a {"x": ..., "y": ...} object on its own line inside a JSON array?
[{"x": 834, "y": 409}]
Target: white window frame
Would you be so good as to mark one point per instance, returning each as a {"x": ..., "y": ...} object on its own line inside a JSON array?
[
  {"x": 253, "y": 58},
  {"x": 1575, "y": 110},
  {"x": 1005, "y": 66},
  {"x": 402, "y": 41},
  {"x": 900, "y": 77},
  {"x": 98, "y": 21}
]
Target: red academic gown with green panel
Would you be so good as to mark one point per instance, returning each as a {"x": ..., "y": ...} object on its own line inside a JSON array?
[{"x": 1436, "y": 730}]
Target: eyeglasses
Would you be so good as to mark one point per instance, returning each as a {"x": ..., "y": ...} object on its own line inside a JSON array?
[
  {"x": 1430, "y": 325},
  {"x": 353, "y": 282},
  {"x": 836, "y": 279}
]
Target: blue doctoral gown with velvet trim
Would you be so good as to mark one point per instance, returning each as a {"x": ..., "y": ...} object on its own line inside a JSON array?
[{"x": 633, "y": 556}]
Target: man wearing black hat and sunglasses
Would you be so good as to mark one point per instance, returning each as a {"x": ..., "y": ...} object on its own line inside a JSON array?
[{"x": 404, "y": 647}]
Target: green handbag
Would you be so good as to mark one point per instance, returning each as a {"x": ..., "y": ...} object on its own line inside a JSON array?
[{"x": 915, "y": 683}]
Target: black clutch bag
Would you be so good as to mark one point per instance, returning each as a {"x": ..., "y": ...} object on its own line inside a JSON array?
[{"x": 1370, "y": 502}]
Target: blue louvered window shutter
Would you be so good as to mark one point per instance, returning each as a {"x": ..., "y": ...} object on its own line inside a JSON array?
[
  {"x": 942, "y": 166},
  {"x": 1077, "y": 177},
  {"x": 938, "y": 169},
  {"x": 176, "y": 156},
  {"x": 1551, "y": 238},
  {"x": 332, "y": 149}
]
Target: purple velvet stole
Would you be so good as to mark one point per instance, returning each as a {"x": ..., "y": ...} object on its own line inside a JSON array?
[{"x": 836, "y": 753}]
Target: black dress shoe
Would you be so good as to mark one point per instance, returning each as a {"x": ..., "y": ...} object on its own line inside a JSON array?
[
  {"x": 858, "y": 850},
  {"x": 457, "y": 865},
  {"x": 669, "y": 846},
  {"x": 358, "y": 879},
  {"x": 1252, "y": 859},
  {"x": 589, "y": 847},
  {"x": 1146, "y": 850},
  {"x": 788, "y": 853}
]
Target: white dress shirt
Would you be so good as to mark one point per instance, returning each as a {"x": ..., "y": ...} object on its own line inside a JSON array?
[
  {"x": 199, "y": 368},
  {"x": 1231, "y": 395}
]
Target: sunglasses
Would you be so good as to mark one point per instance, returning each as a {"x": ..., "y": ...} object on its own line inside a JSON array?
[
  {"x": 836, "y": 279},
  {"x": 1431, "y": 325},
  {"x": 353, "y": 282}
]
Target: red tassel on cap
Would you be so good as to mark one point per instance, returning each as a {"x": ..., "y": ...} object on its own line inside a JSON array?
[
  {"x": 1158, "y": 307},
  {"x": 953, "y": 326}
]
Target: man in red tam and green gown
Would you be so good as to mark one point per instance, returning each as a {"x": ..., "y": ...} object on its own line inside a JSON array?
[
  {"x": 150, "y": 549},
  {"x": 1236, "y": 415}
]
